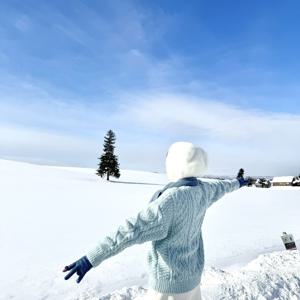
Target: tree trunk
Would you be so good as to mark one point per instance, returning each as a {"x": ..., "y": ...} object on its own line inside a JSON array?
[{"x": 107, "y": 176}]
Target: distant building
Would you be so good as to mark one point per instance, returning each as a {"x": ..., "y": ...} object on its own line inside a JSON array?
[{"x": 282, "y": 181}]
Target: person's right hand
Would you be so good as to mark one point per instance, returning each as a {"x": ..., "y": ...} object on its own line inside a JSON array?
[{"x": 80, "y": 267}]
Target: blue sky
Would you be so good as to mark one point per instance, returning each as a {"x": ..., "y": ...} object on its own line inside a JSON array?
[{"x": 222, "y": 74}]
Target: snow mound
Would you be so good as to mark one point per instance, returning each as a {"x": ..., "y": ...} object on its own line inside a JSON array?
[
  {"x": 125, "y": 294},
  {"x": 273, "y": 276},
  {"x": 270, "y": 276}
]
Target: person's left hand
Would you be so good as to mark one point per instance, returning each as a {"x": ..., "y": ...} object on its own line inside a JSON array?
[{"x": 80, "y": 267}]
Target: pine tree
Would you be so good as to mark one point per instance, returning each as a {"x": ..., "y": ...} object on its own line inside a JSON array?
[{"x": 109, "y": 164}]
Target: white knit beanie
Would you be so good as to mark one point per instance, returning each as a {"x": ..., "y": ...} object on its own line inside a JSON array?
[{"x": 185, "y": 160}]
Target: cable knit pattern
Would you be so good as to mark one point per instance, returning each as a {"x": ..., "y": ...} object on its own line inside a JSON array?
[{"x": 172, "y": 223}]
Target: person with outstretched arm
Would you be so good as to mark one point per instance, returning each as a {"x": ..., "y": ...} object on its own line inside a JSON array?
[{"x": 172, "y": 223}]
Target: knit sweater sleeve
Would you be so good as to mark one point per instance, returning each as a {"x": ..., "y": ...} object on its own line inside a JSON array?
[
  {"x": 150, "y": 224},
  {"x": 218, "y": 188}
]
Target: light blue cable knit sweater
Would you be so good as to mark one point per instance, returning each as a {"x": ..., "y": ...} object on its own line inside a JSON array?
[{"x": 173, "y": 223}]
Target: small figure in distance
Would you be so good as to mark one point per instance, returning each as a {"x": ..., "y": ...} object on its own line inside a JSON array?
[
  {"x": 240, "y": 174},
  {"x": 240, "y": 177}
]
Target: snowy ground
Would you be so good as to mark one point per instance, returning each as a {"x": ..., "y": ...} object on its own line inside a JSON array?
[
  {"x": 270, "y": 276},
  {"x": 51, "y": 216}
]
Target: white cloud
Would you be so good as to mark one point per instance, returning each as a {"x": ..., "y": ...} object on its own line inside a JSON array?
[
  {"x": 40, "y": 146},
  {"x": 49, "y": 128},
  {"x": 265, "y": 142},
  {"x": 212, "y": 118}
]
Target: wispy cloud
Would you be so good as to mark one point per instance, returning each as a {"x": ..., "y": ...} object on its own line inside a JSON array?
[
  {"x": 213, "y": 118},
  {"x": 39, "y": 146},
  {"x": 146, "y": 123},
  {"x": 265, "y": 142},
  {"x": 29, "y": 104}
]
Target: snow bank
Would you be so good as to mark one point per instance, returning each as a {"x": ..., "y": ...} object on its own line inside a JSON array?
[{"x": 270, "y": 276}]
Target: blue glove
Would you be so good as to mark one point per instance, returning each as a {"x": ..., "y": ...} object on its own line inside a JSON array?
[
  {"x": 243, "y": 182},
  {"x": 80, "y": 267}
]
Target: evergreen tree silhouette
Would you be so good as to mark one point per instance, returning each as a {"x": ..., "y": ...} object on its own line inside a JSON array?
[{"x": 109, "y": 164}]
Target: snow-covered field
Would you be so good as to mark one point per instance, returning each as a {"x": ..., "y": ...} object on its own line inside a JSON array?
[{"x": 50, "y": 216}]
